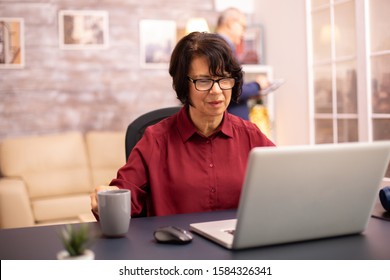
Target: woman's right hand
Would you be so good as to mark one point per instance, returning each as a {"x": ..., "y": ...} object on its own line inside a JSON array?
[{"x": 94, "y": 196}]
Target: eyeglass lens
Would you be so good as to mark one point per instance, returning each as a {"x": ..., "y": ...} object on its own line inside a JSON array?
[{"x": 207, "y": 84}]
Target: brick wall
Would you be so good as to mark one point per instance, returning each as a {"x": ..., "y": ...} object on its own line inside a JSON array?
[{"x": 60, "y": 90}]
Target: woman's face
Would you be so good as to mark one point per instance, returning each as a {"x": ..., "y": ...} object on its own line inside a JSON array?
[{"x": 209, "y": 103}]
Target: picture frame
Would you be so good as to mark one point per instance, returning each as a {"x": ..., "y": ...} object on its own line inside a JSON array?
[
  {"x": 251, "y": 50},
  {"x": 157, "y": 40},
  {"x": 83, "y": 29},
  {"x": 11, "y": 43}
]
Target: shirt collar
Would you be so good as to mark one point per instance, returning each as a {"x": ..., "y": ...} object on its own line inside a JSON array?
[{"x": 187, "y": 128}]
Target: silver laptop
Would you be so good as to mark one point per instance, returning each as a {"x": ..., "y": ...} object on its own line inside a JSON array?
[{"x": 302, "y": 193}]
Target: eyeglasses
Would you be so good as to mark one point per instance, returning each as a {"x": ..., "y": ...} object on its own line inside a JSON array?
[{"x": 207, "y": 84}]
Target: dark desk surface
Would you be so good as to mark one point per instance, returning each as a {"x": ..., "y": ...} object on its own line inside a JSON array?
[{"x": 43, "y": 243}]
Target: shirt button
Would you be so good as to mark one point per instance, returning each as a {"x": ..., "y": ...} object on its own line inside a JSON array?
[
  {"x": 212, "y": 190},
  {"x": 208, "y": 142},
  {"x": 211, "y": 165}
]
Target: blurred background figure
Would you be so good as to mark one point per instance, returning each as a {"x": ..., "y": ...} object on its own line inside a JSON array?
[{"x": 231, "y": 26}]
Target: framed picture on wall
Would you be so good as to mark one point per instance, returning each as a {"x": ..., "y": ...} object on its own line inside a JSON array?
[
  {"x": 251, "y": 50},
  {"x": 83, "y": 29},
  {"x": 157, "y": 40},
  {"x": 11, "y": 43}
]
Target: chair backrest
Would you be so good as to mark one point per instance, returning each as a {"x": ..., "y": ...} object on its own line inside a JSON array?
[{"x": 136, "y": 129}]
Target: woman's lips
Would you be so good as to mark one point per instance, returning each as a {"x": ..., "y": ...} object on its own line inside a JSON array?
[{"x": 215, "y": 102}]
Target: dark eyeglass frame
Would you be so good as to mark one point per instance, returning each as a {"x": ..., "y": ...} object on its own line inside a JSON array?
[{"x": 194, "y": 81}]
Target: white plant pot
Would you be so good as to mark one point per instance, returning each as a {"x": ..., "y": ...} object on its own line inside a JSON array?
[{"x": 64, "y": 255}]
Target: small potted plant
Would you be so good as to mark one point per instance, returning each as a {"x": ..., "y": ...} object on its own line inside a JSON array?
[{"x": 76, "y": 240}]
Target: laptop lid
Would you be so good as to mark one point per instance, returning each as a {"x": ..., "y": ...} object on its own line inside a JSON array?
[{"x": 305, "y": 192}]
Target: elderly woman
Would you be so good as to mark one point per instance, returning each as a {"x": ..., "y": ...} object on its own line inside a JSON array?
[{"x": 195, "y": 160}]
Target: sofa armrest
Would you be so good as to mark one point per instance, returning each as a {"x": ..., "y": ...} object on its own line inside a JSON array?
[{"x": 15, "y": 209}]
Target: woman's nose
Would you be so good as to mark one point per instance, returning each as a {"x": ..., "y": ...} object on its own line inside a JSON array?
[{"x": 216, "y": 88}]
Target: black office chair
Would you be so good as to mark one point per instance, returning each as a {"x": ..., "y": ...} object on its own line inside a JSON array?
[{"x": 136, "y": 129}]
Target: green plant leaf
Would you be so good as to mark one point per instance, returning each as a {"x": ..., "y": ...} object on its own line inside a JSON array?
[{"x": 75, "y": 238}]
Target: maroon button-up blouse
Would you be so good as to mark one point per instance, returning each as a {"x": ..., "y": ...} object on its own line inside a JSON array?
[{"x": 173, "y": 169}]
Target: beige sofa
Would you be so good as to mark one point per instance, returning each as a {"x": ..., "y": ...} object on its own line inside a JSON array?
[{"x": 47, "y": 179}]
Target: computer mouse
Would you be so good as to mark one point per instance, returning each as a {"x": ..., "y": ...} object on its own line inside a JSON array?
[{"x": 172, "y": 234}]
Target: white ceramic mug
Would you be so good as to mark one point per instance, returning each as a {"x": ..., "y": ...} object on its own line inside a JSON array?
[{"x": 114, "y": 212}]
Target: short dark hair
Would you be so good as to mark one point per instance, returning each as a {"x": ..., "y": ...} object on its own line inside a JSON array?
[{"x": 219, "y": 55}]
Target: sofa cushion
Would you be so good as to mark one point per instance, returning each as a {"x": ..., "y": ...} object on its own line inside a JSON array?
[
  {"x": 51, "y": 165},
  {"x": 63, "y": 207},
  {"x": 15, "y": 207},
  {"x": 106, "y": 152}
]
